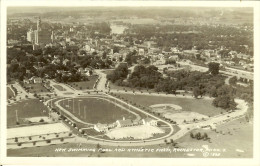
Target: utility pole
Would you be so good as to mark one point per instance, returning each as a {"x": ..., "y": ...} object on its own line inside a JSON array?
[
  {"x": 84, "y": 112},
  {"x": 17, "y": 120},
  {"x": 79, "y": 107},
  {"x": 73, "y": 105},
  {"x": 68, "y": 103}
]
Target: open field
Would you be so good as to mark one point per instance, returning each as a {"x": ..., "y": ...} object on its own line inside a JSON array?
[
  {"x": 36, "y": 130},
  {"x": 96, "y": 110},
  {"x": 175, "y": 113},
  {"x": 84, "y": 84},
  {"x": 9, "y": 92},
  {"x": 60, "y": 88},
  {"x": 129, "y": 89},
  {"x": 25, "y": 109},
  {"x": 238, "y": 143},
  {"x": 192, "y": 105},
  {"x": 36, "y": 88}
]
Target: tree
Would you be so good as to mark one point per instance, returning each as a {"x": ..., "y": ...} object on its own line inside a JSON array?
[
  {"x": 213, "y": 68},
  {"x": 198, "y": 136},
  {"x": 225, "y": 101},
  {"x": 104, "y": 55},
  {"x": 213, "y": 91},
  {"x": 191, "y": 135},
  {"x": 196, "y": 92},
  {"x": 233, "y": 80},
  {"x": 98, "y": 146},
  {"x": 205, "y": 136},
  {"x": 119, "y": 73},
  {"x": 116, "y": 49}
]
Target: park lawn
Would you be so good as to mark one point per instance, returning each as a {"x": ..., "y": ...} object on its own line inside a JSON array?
[
  {"x": 201, "y": 106},
  {"x": 84, "y": 84},
  {"x": 97, "y": 110},
  {"x": 25, "y": 109},
  {"x": 240, "y": 137},
  {"x": 10, "y": 93},
  {"x": 113, "y": 86},
  {"x": 36, "y": 88},
  {"x": 60, "y": 88}
]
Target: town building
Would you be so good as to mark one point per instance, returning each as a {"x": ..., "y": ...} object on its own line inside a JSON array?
[
  {"x": 37, "y": 80},
  {"x": 149, "y": 121},
  {"x": 124, "y": 123}
]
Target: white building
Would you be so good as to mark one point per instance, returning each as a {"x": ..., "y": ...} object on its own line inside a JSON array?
[
  {"x": 30, "y": 36},
  {"x": 101, "y": 127},
  {"x": 149, "y": 121}
]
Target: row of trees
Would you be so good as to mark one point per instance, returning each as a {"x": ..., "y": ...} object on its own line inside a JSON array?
[{"x": 145, "y": 77}]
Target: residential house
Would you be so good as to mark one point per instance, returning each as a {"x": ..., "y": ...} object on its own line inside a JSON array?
[
  {"x": 14, "y": 61},
  {"x": 233, "y": 54},
  {"x": 242, "y": 62},
  {"x": 65, "y": 62},
  {"x": 37, "y": 80},
  {"x": 55, "y": 61},
  {"x": 26, "y": 81},
  {"x": 174, "y": 57},
  {"x": 175, "y": 50}
]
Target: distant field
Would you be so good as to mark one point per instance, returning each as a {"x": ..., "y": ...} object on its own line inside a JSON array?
[
  {"x": 60, "y": 88},
  {"x": 36, "y": 88},
  {"x": 10, "y": 93},
  {"x": 140, "y": 21},
  {"x": 241, "y": 134},
  {"x": 194, "y": 105},
  {"x": 97, "y": 110},
  {"x": 25, "y": 109},
  {"x": 84, "y": 84}
]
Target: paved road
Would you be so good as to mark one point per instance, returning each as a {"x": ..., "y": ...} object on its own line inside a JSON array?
[
  {"x": 227, "y": 80},
  {"x": 21, "y": 93},
  {"x": 66, "y": 88},
  {"x": 102, "y": 80}
]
